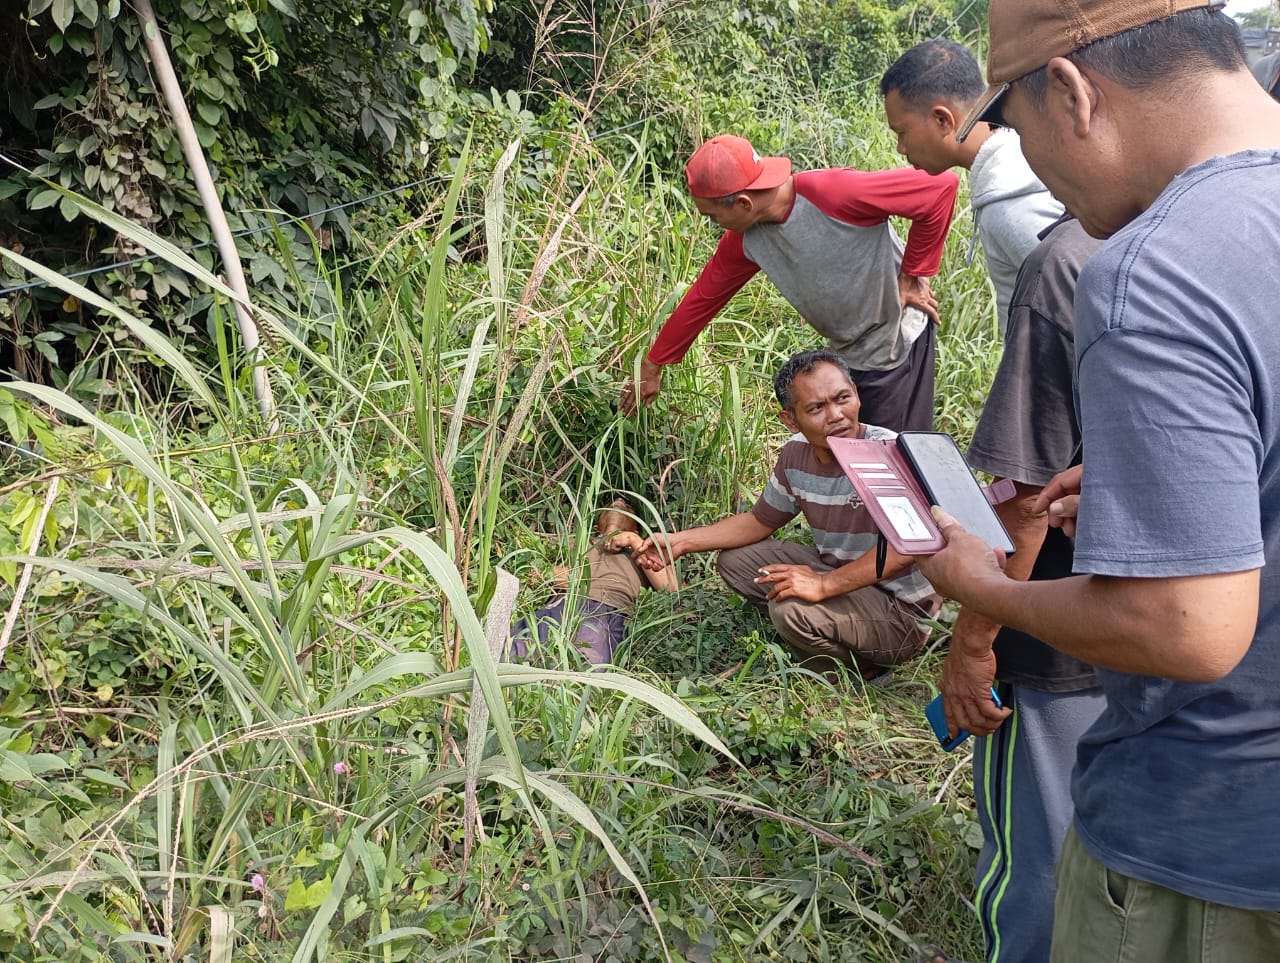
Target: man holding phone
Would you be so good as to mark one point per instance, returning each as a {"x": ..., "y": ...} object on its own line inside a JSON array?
[{"x": 1144, "y": 119}]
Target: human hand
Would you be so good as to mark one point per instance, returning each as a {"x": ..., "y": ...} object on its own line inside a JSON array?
[
  {"x": 657, "y": 551},
  {"x": 964, "y": 562},
  {"x": 916, "y": 292},
  {"x": 1061, "y": 499},
  {"x": 792, "y": 582},
  {"x": 621, "y": 541},
  {"x": 967, "y": 676},
  {"x": 560, "y": 577},
  {"x": 650, "y": 385}
]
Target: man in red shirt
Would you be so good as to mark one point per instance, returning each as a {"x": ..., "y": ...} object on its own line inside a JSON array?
[{"x": 823, "y": 238}]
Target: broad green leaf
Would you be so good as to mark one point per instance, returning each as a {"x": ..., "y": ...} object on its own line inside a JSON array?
[
  {"x": 104, "y": 778},
  {"x": 303, "y": 897},
  {"x": 17, "y": 767},
  {"x": 64, "y": 12},
  {"x": 209, "y": 112},
  {"x": 243, "y": 22},
  {"x": 41, "y": 199},
  {"x": 12, "y": 418}
]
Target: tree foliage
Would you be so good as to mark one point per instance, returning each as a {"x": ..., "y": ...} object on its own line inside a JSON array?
[
  {"x": 1267, "y": 15},
  {"x": 300, "y": 106},
  {"x": 305, "y": 107}
]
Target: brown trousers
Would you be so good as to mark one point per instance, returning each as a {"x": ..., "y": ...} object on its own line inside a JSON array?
[{"x": 866, "y": 627}]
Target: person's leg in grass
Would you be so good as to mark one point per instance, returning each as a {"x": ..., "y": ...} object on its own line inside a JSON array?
[
  {"x": 529, "y": 635},
  {"x": 864, "y": 631},
  {"x": 600, "y": 631}
]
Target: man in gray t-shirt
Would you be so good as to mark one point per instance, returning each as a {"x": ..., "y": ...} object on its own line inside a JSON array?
[{"x": 1146, "y": 122}]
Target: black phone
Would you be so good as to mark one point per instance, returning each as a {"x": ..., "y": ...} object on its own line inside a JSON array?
[{"x": 950, "y": 484}]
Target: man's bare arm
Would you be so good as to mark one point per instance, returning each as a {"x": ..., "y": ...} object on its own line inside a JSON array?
[
  {"x": 733, "y": 532},
  {"x": 970, "y": 667},
  {"x": 1193, "y": 628}
]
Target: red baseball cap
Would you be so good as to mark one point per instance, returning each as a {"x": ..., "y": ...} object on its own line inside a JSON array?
[{"x": 727, "y": 165}]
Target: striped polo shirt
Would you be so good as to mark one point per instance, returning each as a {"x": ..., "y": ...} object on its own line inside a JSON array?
[{"x": 842, "y": 528}]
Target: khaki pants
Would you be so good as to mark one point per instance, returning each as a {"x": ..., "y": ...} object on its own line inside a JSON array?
[
  {"x": 1102, "y": 916},
  {"x": 861, "y": 628}
]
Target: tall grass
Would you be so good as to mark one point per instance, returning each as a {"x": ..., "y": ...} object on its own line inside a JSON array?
[{"x": 308, "y": 750}]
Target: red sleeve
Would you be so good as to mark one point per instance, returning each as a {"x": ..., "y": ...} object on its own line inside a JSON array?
[
  {"x": 725, "y": 274},
  {"x": 872, "y": 197}
]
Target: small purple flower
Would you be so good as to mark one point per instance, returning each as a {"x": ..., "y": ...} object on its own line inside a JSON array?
[
  {"x": 256, "y": 882},
  {"x": 340, "y": 768}
]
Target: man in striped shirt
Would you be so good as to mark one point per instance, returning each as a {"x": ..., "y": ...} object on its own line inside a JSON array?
[{"x": 824, "y": 599}]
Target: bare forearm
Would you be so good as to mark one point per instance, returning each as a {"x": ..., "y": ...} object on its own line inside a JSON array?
[
  {"x": 974, "y": 633},
  {"x": 732, "y": 532},
  {"x": 1192, "y": 629},
  {"x": 665, "y": 579},
  {"x": 861, "y": 572}
]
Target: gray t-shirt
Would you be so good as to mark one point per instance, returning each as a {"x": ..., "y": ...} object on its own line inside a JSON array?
[
  {"x": 841, "y": 277},
  {"x": 1178, "y": 355}
]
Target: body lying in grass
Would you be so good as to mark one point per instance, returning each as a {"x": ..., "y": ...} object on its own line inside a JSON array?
[{"x": 602, "y": 609}]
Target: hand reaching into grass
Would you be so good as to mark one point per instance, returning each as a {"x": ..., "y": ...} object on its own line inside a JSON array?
[{"x": 650, "y": 385}]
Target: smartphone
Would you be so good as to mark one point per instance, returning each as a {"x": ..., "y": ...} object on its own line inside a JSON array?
[
  {"x": 938, "y": 721},
  {"x": 950, "y": 484}
]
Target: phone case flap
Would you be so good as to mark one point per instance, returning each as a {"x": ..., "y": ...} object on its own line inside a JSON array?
[
  {"x": 887, "y": 486},
  {"x": 1000, "y": 491}
]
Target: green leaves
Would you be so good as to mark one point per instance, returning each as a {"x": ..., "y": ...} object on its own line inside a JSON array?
[
  {"x": 43, "y": 198},
  {"x": 300, "y": 896},
  {"x": 63, "y": 12},
  {"x": 18, "y": 763}
]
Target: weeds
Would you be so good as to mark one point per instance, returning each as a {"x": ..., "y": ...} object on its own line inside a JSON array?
[{"x": 235, "y": 700}]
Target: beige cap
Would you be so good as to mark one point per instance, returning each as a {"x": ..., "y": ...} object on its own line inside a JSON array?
[{"x": 1027, "y": 34}]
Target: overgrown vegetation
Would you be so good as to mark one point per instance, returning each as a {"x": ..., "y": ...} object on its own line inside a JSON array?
[{"x": 249, "y": 710}]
